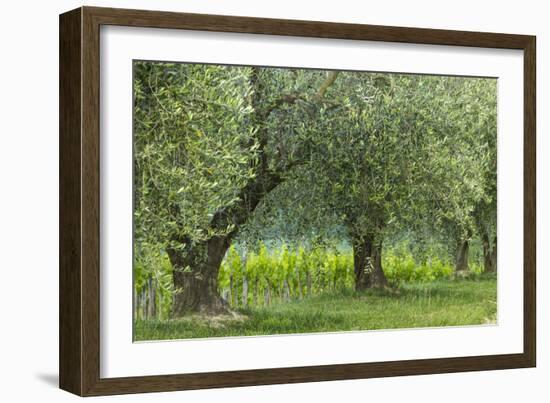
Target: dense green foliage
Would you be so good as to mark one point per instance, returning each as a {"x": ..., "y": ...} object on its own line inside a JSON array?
[
  {"x": 257, "y": 187},
  {"x": 294, "y": 274},
  {"x": 282, "y": 274},
  {"x": 192, "y": 149},
  {"x": 153, "y": 286},
  {"x": 438, "y": 303}
]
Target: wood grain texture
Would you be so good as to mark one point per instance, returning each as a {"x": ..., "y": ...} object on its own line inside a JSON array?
[
  {"x": 80, "y": 201},
  {"x": 530, "y": 202},
  {"x": 90, "y": 202},
  {"x": 70, "y": 274},
  {"x": 316, "y": 29}
]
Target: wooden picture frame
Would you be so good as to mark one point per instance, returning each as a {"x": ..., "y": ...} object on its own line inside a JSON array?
[{"x": 79, "y": 348}]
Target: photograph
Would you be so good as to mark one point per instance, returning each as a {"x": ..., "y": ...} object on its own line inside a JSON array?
[{"x": 274, "y": 200}]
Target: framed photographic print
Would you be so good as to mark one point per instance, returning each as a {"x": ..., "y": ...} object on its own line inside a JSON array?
[{"x": 249, "y": 201}]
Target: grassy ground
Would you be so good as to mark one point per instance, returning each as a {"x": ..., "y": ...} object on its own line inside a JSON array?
[{"x": 440, "y": 303}]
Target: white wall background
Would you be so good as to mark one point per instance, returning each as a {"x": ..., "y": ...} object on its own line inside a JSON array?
[{"x": 29, "y": 199}]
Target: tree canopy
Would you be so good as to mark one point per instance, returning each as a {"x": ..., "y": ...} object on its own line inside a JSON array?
[{"x": 248, "y": 153}]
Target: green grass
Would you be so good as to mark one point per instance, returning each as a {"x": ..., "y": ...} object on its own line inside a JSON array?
[{"x": 435, "y": 304}]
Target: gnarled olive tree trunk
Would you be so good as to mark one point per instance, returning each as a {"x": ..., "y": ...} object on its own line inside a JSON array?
[
  {"x": 489, "y": 254},
  {"x": 367, "y": 262},
  {"x": 197, "y": 264},
  {"x": 196, "y": 267},
  {"x": 462, "y": 251}
]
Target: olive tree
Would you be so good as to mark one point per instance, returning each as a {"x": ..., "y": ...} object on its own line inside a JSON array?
[
  {"x": 205, "y": 158},
  {"x": 397, "y": 151},
  {"x": 465, "y": 203}
]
